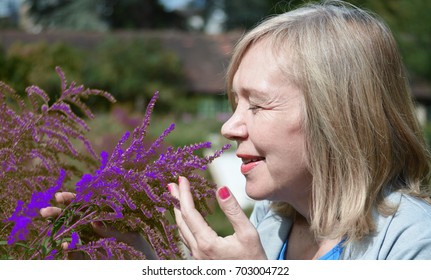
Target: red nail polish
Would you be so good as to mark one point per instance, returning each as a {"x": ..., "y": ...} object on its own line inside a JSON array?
[
  {"x": 224, "y": 193},
  {"x": 169, "y": 188}
]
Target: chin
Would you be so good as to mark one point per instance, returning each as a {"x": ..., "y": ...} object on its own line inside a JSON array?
[{"x": 257, "y": 194}]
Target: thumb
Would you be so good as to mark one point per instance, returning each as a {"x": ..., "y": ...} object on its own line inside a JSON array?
[
  {"x": 133, "y": 239},
  {"x": 106, "y": 231},
  {"x": 233, "y": 211},
  {"x": 101, "y": 229}
]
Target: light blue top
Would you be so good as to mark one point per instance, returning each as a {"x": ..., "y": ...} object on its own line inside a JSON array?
[{"x": 402, "y": 236}]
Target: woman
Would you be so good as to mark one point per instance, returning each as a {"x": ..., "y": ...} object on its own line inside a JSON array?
[{"x": 331, "y": 149}]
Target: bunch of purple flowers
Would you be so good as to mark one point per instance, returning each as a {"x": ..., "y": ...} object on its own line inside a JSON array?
[{"x": 127, "y": 191}]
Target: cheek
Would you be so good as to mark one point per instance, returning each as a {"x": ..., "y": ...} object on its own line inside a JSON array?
[
  {"x": 288, "y": 166},
  {"x": 285, "y": 133},
  {"x": 279, "y": 132},
  {"x": 286, "y": 148}
]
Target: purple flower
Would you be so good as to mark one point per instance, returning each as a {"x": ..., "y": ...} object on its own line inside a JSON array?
[
  {"x": 22, "y": 217},
  {"x": 20, "y": 229},
  {"x": 74, "y": 241},
  {"x": 126, "y": 189},
  {"x": 130, "y": 185},
  {"x": 51, "y": 255}
]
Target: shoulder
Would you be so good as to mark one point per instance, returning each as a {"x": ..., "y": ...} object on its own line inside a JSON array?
[
  {"x": 405, "y": 234},
  {"x": 412, "y": 220},
  {"x": 412, "y": 213}
]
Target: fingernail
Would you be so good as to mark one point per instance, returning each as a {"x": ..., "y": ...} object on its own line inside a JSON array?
[
  {"x": 169, "y": 188},
  {"x": 97, "y": 224},
  {"x": 42, "y": 210},
  {"x": 224, "y": 193},
  {"x": 179, "y": 179}
]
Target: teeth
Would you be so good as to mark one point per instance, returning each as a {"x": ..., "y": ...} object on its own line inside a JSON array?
[{"x": 251, "y": 160}]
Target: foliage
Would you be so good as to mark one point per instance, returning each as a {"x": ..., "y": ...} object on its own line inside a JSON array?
[
  {"x": 125, "y": 66},
  {"x": 35, "y": 136},
  {"x": 101, "y": 15},
  {"x": 33, "y": 63},
  {"x": 410, "y": 23},
  {"x": 67, "y": 14},
  {"x": 256, "y": 11},
  {"x": 128, "y": 190}
]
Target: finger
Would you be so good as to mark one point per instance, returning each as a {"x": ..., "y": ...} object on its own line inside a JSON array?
[
  {"x": 133, "y": 239},
  {"x": 183, "y": 240},
  {"x": 102, "y": 230},
  {"x": 50, "y": 212},
  {"x": 233, "y": 211},
  {"x": 72, "y": 255},
  {"x": 184, "y": 231},
  {"x": 108, "y": 232},
  {"x": 64, "y": 197},
  {"x": 194, "y": 220}
]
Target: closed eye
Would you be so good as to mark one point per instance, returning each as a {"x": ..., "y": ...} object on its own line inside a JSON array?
[{"x": 254, "y": 108}]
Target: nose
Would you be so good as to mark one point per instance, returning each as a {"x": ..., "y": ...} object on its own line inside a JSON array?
[{"x": 235, "y": 127}]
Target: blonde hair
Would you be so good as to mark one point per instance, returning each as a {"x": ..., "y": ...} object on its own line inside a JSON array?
[{"x": 359, "y": 119}]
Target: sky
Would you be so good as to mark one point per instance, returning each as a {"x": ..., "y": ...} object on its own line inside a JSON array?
[
  {"x": 173, "y": 4},
  {"x": 5, "y": 6}
]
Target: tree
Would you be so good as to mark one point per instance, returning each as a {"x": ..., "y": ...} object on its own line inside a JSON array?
[
  {"x": 133, "y": 69},
  {"x": 411, "y": 25},
  {"x": 68, "y": 14},
  {"x": 148, "y": 14},
  {"x": 101, "y": 15}
]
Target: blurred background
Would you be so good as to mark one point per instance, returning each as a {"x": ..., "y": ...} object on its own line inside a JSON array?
[{"x": 132, "y": 48}]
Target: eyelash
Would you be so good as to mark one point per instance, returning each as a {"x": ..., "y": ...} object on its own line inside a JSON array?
[{"x": 254, "y": 108}]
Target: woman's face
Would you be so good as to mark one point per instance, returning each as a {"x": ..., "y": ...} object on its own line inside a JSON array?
[{"x": 267, "y": 128}]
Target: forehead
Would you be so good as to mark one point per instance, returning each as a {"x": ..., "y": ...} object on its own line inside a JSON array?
[{"x": 261, "y": 70}]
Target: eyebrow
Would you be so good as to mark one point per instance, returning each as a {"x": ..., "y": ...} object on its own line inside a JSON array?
[
  {"x": 250, "y": 91},
  {"x": 258, "y": 96}
]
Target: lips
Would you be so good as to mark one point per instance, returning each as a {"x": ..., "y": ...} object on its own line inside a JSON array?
[{"x": 249, "y": 162}]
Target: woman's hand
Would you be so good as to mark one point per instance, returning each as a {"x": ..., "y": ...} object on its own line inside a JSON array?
[
  {"x": 63, "y": 198},
  {"x": 202, "y": 240},
  {"x": 133, "y": 239}
]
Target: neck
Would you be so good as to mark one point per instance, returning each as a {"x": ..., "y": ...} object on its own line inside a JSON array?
[{"x": 303, "y": 245}]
